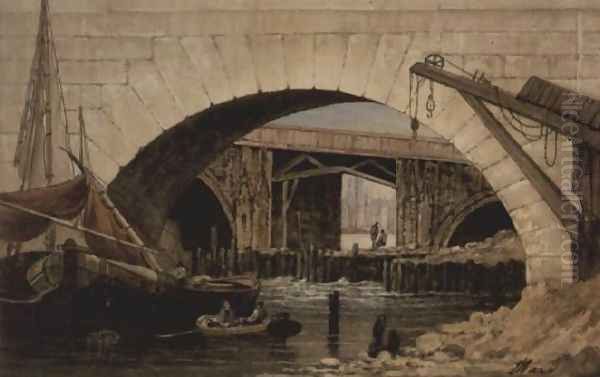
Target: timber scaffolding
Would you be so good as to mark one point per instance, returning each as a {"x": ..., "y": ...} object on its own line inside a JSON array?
[{"x": 398, "y": 272}]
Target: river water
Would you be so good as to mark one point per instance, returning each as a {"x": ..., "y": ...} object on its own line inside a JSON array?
[{"x": 307, "y": 302}]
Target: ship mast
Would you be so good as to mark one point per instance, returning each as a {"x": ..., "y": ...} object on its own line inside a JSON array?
[{"x": 44, "y": 123}]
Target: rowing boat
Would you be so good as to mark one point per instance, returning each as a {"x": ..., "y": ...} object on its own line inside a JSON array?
[{"x": 210, "y": 327}]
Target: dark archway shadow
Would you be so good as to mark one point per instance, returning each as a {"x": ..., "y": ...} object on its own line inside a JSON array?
[
  {"x": 147, "y": 188},
  {"x": 483, "y": 222},
  {"x": 196, "y": 212}
]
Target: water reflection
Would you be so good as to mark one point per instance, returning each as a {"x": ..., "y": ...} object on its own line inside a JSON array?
[{"x": 307, "y": 302}]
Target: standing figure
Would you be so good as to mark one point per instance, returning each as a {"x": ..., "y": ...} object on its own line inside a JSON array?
[
  {"x": 374, "y": 232},
  {"x": 378, "y": 334},
  {"x": 382, "y": 239}
]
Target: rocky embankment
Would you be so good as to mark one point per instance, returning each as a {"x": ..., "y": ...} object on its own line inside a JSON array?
[{"x": 550, "y": 331}]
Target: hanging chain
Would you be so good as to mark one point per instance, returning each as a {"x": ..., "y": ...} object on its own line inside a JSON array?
[{"x": 430, "y": 105}]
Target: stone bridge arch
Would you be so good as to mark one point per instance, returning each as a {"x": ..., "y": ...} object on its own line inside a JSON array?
[{"x": 243, "y": 81}]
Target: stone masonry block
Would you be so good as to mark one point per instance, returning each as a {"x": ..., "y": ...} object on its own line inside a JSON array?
[
  {"x": 147, "y": 82},
  {"x": 487, "y": 153},
  {"x": 300, "y": 60},
  {"x": 525, "y": 43},
  {"x": 127, "y": 112},
  {"x": 513, "y": 20},
  {"x": 390, "y": 54},
  {"x": 450, "y": 120},
  {"x": 527, "y": 66},
  {"x": 518, "y": 195},
  {"x": 503, "y": 173},
  {"x": 329, "y": 60},
  {"x": 359, "y": 60},
  {"x": 473, "y": 133},
  {"x": 93, "y": 72},
  {"x": 533, "y": 216},
  {"x": 204, "y": 54},
  {"x": 267, "y": 52},
  {"x": 491, "y": 65},
  {"x": 545, "y": 241},
  {"x": 103, "y": 48},
  {"x": 181, "y": 76},
  {"x": 237, "y": 59}
]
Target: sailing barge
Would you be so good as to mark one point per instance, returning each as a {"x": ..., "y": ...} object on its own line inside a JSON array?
[{"x": 115, "y": 281}]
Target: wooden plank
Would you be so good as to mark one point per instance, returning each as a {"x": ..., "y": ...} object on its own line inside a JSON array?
[
  {"x": 496, "y": 96},
  {"x": 544, "y": 185},
  {"x": 332, "y": 170}
]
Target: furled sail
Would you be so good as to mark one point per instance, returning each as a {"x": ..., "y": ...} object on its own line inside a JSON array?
[
  {"x": 64, "y": 201},
  {"x": 102, "y": 218}
]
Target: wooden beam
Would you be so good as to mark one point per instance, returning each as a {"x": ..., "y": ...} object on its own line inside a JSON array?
[
  {"x": 543, "y": 185},
  {"x": 332, "y": 170},
  {"x": 292, "y": 193},
  {"x": 284, "y": 209},
  {"x": 498, "y": 97},
  {"x": 297, "y": 161},
  {"x": 375, "y": 164}
]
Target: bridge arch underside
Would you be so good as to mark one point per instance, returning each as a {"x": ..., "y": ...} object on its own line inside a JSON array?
[
  {"x": 480, "y": 217},
  {"x": 257, "y": 79},
  {"x": 200, "y": 210}
]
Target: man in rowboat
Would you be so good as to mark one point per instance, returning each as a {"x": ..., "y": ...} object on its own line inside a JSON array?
[
  {"x": 258, "y": 315},
  {"x": 226, "y": 316}
]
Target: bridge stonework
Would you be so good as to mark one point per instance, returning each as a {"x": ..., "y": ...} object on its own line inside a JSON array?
[
  {"x": 138, "y": 67},
  {"x": 241, "y": 180},
  {"x": 433, "y": 198}
]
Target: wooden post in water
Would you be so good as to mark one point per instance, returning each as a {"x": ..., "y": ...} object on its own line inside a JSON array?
[
  {"x": 334, "y": 314},
  {"x": 255, "y": 261},
  {"x": 307, "y": 261},
  {"x": 315, "y": 265},
  {"x": 221, "y": 261},
  {"x": 283, "y": 263},
  {"x": 299, "y": 265},
  {"x": 214, "y": 242},
  {"x": 319, "y": 266},
  {"x": 394, "y": 274},
  {"x": 268, "y": 266}
]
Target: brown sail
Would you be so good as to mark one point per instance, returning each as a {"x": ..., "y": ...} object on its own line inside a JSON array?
[
  {"x": 101, "y": 218},
  {"x": 65, "y": 201}
]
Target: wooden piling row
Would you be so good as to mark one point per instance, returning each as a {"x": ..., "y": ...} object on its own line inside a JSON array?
[
  {"x": 395, "y": 274},
  {"x": 501, "y": 279}
]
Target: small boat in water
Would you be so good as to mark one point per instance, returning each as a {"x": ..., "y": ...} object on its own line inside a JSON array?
[
  {"x": 209, "y": 326},
  {"x": 280, "y": 326}
]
